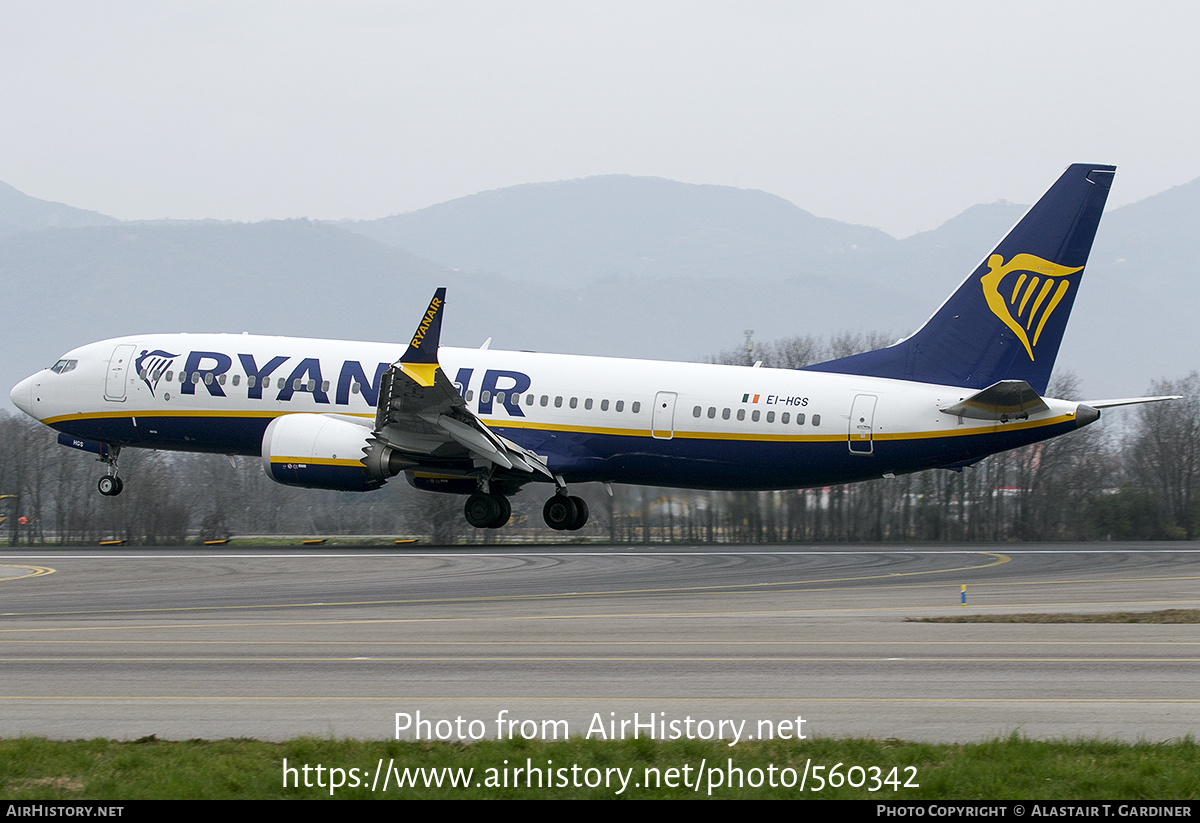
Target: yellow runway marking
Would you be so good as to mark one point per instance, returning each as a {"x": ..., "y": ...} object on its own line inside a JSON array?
[
  {"x": 31, "y": 571},
  {"x": 740, "y": 588}
]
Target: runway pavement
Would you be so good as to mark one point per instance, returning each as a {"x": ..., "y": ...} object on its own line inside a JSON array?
[{"x": 188, "y": 642}]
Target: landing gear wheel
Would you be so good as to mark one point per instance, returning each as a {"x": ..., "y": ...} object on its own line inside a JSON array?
[
  {"x": 581, "y": 514},
  {"x": 110, "y": 486},
  {"x": 560, "y": 512},
  {"x": 505, "y": 514},
  {"x": 482, "y": 510}
]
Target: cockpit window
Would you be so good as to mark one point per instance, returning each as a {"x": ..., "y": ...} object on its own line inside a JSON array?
[{"x": 64, "y": 366}]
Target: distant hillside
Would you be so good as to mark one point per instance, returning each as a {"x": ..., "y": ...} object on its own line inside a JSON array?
[
  {"x": 578, "y": 231},
  {"x": 20, "y": 212},
  {"x": 624, "y": 266}
]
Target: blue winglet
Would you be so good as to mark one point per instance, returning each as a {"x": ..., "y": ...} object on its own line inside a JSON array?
[{"x": 424, "y": 344}]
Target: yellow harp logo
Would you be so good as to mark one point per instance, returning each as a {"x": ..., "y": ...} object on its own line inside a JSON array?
[{"x": 1025, "y": 299}]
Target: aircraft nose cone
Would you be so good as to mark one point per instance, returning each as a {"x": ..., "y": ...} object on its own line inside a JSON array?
[{"x": 22, "y": 396}]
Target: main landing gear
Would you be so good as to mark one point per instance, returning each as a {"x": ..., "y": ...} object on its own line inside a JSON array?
[
  {"x": 487, "y": 511},
  {"x": 110, "y": 485},
  {"x": 564, "y": 512}
]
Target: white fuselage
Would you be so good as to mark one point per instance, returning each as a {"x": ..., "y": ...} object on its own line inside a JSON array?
[{"x": 592, "y": 418}]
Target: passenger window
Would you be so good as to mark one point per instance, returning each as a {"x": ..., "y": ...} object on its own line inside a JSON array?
[
  {"x": 816, "y": 419},
  {"x": 545, "y": 400},
  {"x": 574, "y": 402},
  {"x": 799, "y": 418},
  {"x": 741, "y": 414},
  {"x": 208, "y": 379},
  {"x": 169, "y": 376},
  {"x": 281, "y": 382},
  {"x": 296, "y": 384},
  {"x": 770, "y": 417},
  {"x": 696, "y": 412},
  {"x": 500, "y": 397},
  {"x": 354, "y": 387},
  {"x": 620, "y": 405},
  {"x": 785, "y": 418},
  {"x": 237, "y": 379},
  {"x": 529, "y": 400},
  {"x": 712, "y": 412},
  {"x": 485, "y": 396},
  {"x": 754, "y": 416},
  {"x": 221, "y": 379},
  {"x": 324, "y": 385},
  {"x": 587, "y": 404},
  {"x": 195, "y": 377},
  {"x": 558, "y": 402},
  {"x": 725, "y": 414},
  {"x": 603, "y": 405},
  {"x": 250, "y": 379}
]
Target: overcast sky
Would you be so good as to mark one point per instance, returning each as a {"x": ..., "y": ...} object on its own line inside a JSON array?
[{"x": 892, "y": 114}]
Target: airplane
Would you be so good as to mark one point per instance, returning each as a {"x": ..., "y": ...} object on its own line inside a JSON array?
[{"x": 350, "y": 416}]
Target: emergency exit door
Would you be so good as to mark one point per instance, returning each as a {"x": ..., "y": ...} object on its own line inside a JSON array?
[{"x": 862, "y": 424}]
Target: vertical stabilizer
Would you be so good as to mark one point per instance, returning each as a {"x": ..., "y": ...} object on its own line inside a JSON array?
[{"x": 1006, "y": 320}]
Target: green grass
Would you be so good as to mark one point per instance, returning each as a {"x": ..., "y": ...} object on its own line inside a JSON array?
[
  {"x": 1164, "y": 616},
  {"x": 1010, "y": 768}
]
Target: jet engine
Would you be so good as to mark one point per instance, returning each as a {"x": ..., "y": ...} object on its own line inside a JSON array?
[{"x": 327, "y": 451}]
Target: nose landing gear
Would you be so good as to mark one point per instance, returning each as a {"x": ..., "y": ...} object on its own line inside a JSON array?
[{"x": 110, "y": 485}]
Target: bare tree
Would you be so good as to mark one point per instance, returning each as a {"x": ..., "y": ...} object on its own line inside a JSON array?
[{"x": 1166, "y": 452}]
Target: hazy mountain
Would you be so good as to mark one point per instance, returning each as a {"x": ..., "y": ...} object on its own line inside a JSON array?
[
  {"x": 21, "y": 212},
  {"x": 577, "y": 231},
  {"x": 612, "y": 265}
]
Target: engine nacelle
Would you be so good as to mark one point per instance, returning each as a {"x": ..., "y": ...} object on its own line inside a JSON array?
[{"x": 325, "y": 451}]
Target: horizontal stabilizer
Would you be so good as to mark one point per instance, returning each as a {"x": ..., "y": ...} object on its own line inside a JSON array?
[
  {"x": 1006, "y": 400},
  {"x": 1131, "y": 401}
]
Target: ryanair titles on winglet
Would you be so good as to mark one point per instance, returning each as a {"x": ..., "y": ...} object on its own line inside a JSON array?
[
  {"x": 208, "y": 370},
  {"x": 430, "y": 313}
]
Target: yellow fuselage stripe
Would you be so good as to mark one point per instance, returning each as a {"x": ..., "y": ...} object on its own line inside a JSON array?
[{"x": 505, "y": 423}]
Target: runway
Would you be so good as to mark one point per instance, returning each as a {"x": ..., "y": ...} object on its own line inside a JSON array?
[{"x": 190, "y": 643}]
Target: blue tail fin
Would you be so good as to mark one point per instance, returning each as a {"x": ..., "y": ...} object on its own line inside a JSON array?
[{"x": 1006, "y": 321}]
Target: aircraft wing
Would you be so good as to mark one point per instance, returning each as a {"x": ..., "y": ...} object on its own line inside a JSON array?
[{"x": 422, "y": 415}]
